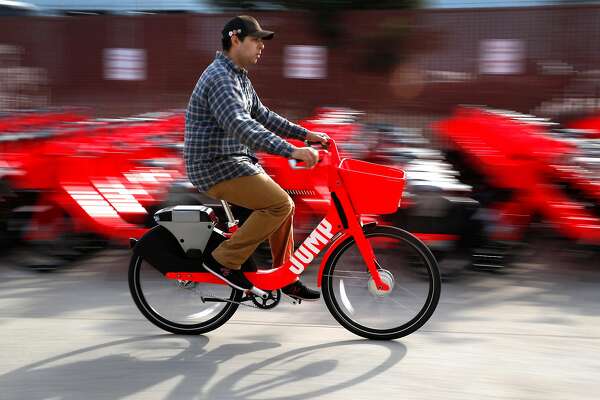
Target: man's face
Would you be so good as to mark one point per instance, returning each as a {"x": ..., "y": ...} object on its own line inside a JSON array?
[{"x": 248, "y": 51}]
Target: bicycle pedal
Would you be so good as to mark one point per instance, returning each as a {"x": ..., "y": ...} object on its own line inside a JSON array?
[{"x": 293, "y": 300}]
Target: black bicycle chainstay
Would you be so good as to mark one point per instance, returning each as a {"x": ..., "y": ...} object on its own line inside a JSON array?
[{"x": 242, "y": 302}]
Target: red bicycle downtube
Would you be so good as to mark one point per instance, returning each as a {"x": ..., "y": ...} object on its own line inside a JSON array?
[{"x": 364, "y": 246}]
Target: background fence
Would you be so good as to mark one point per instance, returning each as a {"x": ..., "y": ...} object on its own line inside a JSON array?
[{"x": 541, "y": 60}]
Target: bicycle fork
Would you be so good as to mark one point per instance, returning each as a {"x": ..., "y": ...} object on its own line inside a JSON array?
[
  {"x": 369, "y": 258},
  {"x": 366, "y": 251}
]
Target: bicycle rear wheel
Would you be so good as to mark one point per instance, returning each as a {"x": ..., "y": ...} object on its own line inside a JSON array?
[
  {"x": 177, "y": 306},
  {"x": 405, "y": 264}
]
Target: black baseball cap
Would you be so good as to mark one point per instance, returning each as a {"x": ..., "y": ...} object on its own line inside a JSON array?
[{"x": 245, "y": 25}]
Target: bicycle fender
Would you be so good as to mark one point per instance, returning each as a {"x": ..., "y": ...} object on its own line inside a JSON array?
[
  {"x": 343, "y": 238},
  {"x": 160, "y": 248}
]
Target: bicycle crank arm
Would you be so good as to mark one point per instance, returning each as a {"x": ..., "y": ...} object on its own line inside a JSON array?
[{"x": 260, "y": 293}]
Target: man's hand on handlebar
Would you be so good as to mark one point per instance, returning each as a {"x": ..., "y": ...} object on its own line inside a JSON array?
[
  {"x": 320, "y": 137},
  {"x": 307, "y": 154}
]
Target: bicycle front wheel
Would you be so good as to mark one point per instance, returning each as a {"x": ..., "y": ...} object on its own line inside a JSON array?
[
  {"x": 179, "y": 306},
  {"x": 404, "y": 263}
]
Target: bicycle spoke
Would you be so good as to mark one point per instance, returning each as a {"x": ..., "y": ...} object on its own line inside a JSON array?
[
  {"x": 178, "y": 301},
  {"x": 350, "y": 292}
]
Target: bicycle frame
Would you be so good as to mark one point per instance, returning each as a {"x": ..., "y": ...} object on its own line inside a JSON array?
[{"x": 340, "y": 223}]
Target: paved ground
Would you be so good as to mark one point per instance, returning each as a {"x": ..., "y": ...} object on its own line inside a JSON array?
[{"x": 532, "y": 332}]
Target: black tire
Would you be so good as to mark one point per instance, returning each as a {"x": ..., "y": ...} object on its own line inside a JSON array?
[
  {"x": 418, "y": 264},
  {"x": 158, "y": 318}
]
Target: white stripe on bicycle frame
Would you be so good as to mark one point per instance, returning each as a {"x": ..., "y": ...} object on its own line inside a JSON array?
[{"x": 311, "y": 247}]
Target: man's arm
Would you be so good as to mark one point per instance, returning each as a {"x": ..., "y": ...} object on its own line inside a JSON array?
[
  {"x": 274, "y": 122},
  {"x": 226, "y": 104}
]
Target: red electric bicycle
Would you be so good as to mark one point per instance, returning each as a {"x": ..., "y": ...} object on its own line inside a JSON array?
[{"x": 379, "y": 282}]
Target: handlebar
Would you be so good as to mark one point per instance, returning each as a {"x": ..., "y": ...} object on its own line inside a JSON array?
[
  {"x": 319, "y": 144},
  {"x": 327, "y": 151}
]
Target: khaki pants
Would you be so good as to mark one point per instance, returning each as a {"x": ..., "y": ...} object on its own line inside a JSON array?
[{"x": 272, "y": 219}]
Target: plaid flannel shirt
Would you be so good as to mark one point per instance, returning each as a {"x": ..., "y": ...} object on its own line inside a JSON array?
[{"x": 225, "y": 123}]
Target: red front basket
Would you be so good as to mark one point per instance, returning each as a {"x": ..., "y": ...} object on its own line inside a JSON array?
[{"x": 373, "y": 188}]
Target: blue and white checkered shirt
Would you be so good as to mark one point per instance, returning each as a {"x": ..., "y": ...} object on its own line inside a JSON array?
[{"x": 225, "y": 123}]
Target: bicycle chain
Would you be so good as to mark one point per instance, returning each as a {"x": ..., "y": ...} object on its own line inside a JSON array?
[
  {"x": 243, "y": 303},
  {"x": 191, "y": 286},
  {"x": 240, "y": 303}
]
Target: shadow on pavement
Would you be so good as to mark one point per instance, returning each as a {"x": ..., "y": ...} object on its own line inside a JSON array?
[
  {"x": 175, "y": 367},
  {"x": 234, "y": 387}
]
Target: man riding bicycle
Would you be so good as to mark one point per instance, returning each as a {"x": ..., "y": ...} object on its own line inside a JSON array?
[{"x": 225, "y": 123}]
